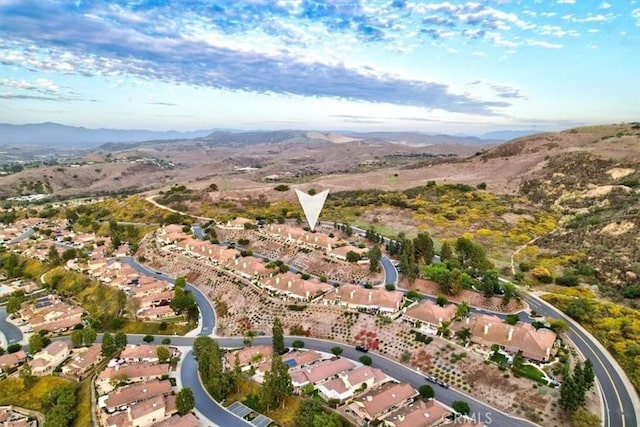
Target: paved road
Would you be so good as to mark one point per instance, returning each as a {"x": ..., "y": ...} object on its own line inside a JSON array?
[
  {"x": 25, "y": 235},
  {"x": 390, "y": 271},
  {"x": 12, "y": 334},
  {"x": 207, "y": 315},
  {"x": 400, "y": 372},
  {"x": 205, "y": 404},
  {"x": 618, "y": 399}
]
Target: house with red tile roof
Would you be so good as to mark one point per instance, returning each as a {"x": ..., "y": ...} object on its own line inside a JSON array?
[
  {"x": 11, "y": 360},
  {"x": 419, "y": 413},
  {"x": 430, "y": 315},
  {"x": 537, "y": 345},
  {"x": 359, "y": 298},
  {"x": 155, "y": 313},
  {"x": 83, "y": 361},
  {"x": 291, "y": 285},
  {"x": 377, "y": 402},
  {"x": 319, "y": 372},
  {"x": 341, "y": 252},
  {"x": 134, "y": 372},
  {"x": 128, "y": 395},
  {"x": 141, "y": 353},
  {"x": 188, "y": 420},
  {"x": 45, "y": 361},
  {"x": 249, "y": 355},
  {"x": 349, "y": 382}
]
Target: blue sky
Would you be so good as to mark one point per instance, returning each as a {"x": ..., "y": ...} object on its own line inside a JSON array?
[{"x": 452, "y": 66}]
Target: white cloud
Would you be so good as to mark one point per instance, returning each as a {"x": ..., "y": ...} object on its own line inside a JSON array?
[
  {"x": 566, "y": 1},
  {"x": 635, "y": 13},
  {"x": 544, "y": 44},
  {"x": 605, "y": 5}
]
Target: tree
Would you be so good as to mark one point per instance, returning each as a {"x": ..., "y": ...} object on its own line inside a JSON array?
[
  {"x": 76, "y": 338},
  {"x": 426, "y": 392},
  {"x": 584, "y": 418},
  {"x": 27, "y": 376},
  {"x": 53, "y": 256},
  {"x": 375, "y": 255},
  {"x": 278, "y": 337},
  {"x": 89, "y": 335},
  {"x": 308, "y": 410},
  {"x": 588, "y": 378},
  {"x": 408, "y": 261},
  {"x": 490, "y": 283},
  {"x": 35, "y": 343},
  {"x": 366, "y": 360},
  {"x": 353, "y": 256},
  {"x": 462, "y": 310},
  {"x": 337, "y": 350},
  {"x": 278, "y": 381},
  {"x": 464, "y": 334},
  {"x": 423, "y": 247},
  {"x": 511, "y": 319},
  {"x": 13, "y": 348},
  {"x": 509, "y": 291},
  {"x": 163, "y": 353},
  {"x": 297, "y": 344},
  {"x": 185, "y": 401},
  {"x": 445, "y": 251},
  {"x": 390, "y": 287},
  {"x": 120, "y": 340},
  {"x": 148, "y": 338},
  {"x": 472, "y": 254},
  {"x": 461, "y": 407},
  {"x": 443, "y": 329},
  {"x": 166, "y": 341},
  {"x": 13, "y": 304},
  {"x": 569, "y": 394},
  {"x": 518, "y": 361},
  {"x": 108, "y": 345},
  {"x": 441, "y": 300}
]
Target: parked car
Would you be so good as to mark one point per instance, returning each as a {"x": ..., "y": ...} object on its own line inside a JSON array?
[
  {"x": 434, "y": 380},
  {"x": 362, "y": 348}
]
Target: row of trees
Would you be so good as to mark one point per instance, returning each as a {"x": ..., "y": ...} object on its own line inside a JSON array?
[
  {"x": 111, "y": 344},
  {"x": 218, "y": 381},
  {"x": 575, "y": 386}
]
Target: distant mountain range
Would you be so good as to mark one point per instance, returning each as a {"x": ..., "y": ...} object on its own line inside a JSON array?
[
  {"x": 71, "y": 136},
  {"x": 55, "y": 134}
]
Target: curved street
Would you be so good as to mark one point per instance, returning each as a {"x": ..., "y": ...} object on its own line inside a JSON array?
[
  {"x": 9, "y": 333},
  {"x": 621, "y": 403}
]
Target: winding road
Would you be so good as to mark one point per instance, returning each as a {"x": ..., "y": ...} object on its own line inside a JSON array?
[{"x": 621, "y": 402}]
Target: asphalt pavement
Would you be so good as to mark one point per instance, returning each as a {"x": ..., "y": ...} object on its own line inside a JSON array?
[
  {"x": 12, "y": 334},
  {"x": 207, "y": 315},
  {"x": 619, "y": 407},
  {"x": 205, "y": 404}
]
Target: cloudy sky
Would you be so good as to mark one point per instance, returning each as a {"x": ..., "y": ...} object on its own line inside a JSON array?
[{"x": 448, "y": 66}]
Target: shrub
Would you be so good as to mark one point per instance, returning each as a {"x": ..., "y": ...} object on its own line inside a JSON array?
[
  {"x": 281, "y": 187},
  {"x": 390, "y": 287},
  {"x": 567, "y": 280},
  {"x": 365, "y": 360},
  {"x": 632, "y": 291}
]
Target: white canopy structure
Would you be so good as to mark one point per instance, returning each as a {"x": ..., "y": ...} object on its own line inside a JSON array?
[{"x": 312, "y": 205}]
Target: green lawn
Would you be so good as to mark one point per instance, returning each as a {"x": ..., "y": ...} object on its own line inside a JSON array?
[
  {"x": 499, "y": 359},
  {"x": 532, "y": 372}
]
